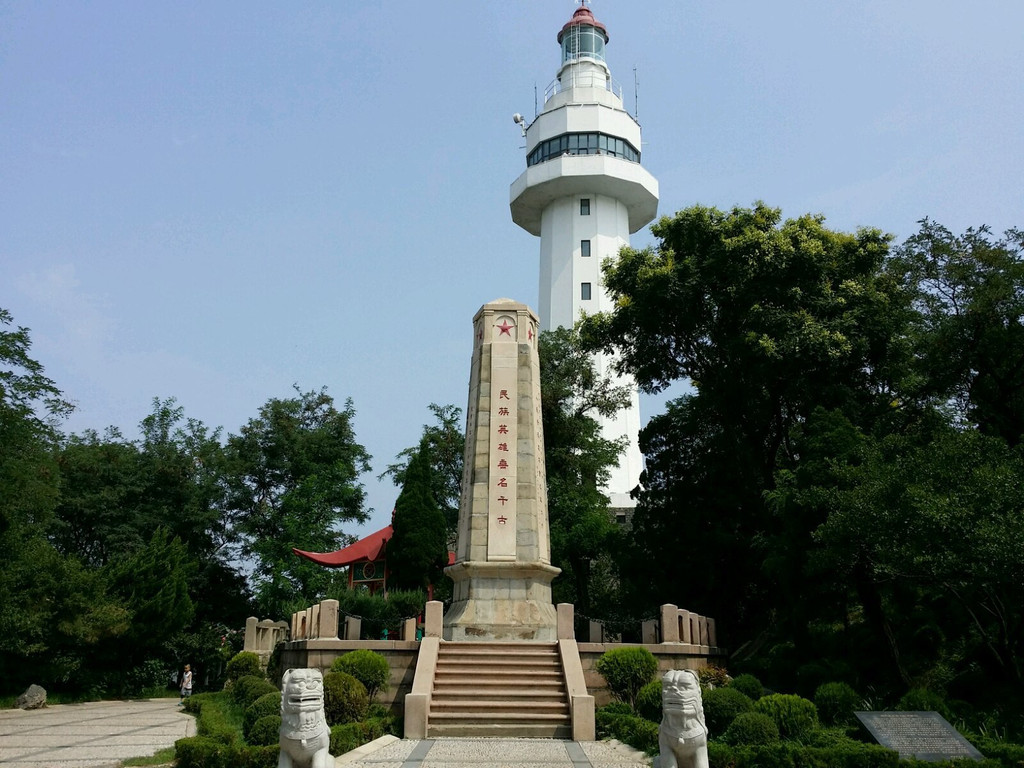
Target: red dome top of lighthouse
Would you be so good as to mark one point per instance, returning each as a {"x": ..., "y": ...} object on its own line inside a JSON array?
[{"x": 583, "y": 17}]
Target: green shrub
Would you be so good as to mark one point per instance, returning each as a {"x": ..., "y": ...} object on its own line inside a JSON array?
[
  {"x": 629, "y": 729},
  {"x": 648, "y": 701},
  {"x": 266, "y": 731},
  {"x": 345, "y": 698},
  {"x": 267, "y": 704},
  {"x": 793, "y": 715},
  {"x": 721, "y": 705},
  {"x": 369, "y": 668},
  {"x": 787, "y": 755},
  {"x": 836, "y": 703},
  {"x": 217, "y": 717},
  {"x": 751, "y": 729},
  {"x": 348, "y": 736},
  {"x": 203, "y": 752},
  {"x": 712, "y": 676},
  {"x": 247, "y": 689},
  {"x": 244, "y": 664},
  {"x": 923, "y": 700},
  {"x": 748, "y": 685},
  {"x": 627, "y": 670},
  {"x": 617, "y": 708}
]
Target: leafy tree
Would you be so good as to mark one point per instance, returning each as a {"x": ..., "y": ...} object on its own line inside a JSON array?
[
  {"x": 418, "y": 549},
  {"x": 293, "y": 477},
  {"x": 152, "y": 583},
  {"x": 970, "y": 293},
  {"x": 578, "y": 461},
  {"x": 51, "y": 609},
  {"x": 767, "y": 320},
  {"x": 446, "y": 445}
]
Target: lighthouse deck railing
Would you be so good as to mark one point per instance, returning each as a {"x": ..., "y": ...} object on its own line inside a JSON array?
[{"x": 583, "y": 80}]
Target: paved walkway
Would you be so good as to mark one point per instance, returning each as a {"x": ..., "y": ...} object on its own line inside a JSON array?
[
  {"x": 93, "y": 735},
  {"x": 502, "y": 753}
]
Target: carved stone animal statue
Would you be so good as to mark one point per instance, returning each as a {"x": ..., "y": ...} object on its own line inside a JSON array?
[
  {"x": 683, "y": 736},
  {"x": 305, "y": 737}
]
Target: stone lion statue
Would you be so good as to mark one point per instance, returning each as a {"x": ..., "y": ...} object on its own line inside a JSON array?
[
  {"x": 683, "y": 736},
  {"x": 305, "y": 737}
]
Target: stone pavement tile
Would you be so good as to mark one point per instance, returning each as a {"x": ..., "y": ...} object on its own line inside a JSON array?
[
  {"x": 483, "y": 750},
  {"x": 495, "y": 761},
  {"x": 396, "y": 751}
]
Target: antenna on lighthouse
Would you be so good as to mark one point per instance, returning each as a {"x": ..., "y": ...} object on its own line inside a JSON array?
[{"x": 636, "y": 96}]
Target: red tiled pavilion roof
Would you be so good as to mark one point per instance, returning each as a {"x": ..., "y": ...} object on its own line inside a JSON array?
[{"x": 370, "y": 548}]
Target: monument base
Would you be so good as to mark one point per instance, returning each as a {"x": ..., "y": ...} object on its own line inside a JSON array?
[{"x": 501, "y": 602}]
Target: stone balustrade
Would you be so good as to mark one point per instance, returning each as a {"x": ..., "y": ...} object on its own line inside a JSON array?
[
  {"x": 262, "y": 637},
  {"x": 321, "y": 622}
]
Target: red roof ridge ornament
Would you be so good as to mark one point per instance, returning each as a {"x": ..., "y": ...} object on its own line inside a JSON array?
[{"x": 583, "y": 16}]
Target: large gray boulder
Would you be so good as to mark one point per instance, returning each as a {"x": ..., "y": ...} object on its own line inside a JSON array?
[{"x": 33, "y": 698}]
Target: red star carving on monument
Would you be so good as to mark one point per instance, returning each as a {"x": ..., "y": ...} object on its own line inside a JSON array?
[
  {"x": 505, "y": 327},
  {"x": 529, "y": 333}
]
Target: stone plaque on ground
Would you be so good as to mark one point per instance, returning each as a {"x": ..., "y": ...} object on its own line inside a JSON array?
[{"x": 924, "y": 735}]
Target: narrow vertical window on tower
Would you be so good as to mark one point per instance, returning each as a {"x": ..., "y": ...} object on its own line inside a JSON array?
[
  {"x": 584, "y": 206},
  {"x": 585, "y": 291},
  {"x": 584, "y": 248}
]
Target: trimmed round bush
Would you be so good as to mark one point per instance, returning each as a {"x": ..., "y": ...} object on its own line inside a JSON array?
[
  {"x": 751, "y": 729},
  {"x": 244, "y": 664},
  {"x": 345, "y": 699},
  {"x": 247, "y": 689},
  {"x": 267, "y": 704},
  {"x": 793, "y": 715},
  {"x": 721, "y": 706},
  {"x": 748, "y": 685},
  {"x": 627, "y": 670},
  {"x": 923, "y": 700},
  {"x": 648, "y": 701},
  {"x": 836, "y": 703},
  {"x": 266, "y": 731},
  {"x": 369, "y": 668}
]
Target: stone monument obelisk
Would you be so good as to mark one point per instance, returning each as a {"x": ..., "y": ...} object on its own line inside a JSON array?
[{"x": 503, "y": 570}]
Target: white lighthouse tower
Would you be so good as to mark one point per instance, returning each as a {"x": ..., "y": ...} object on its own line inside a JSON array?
[{"x": 583, "y": 193}]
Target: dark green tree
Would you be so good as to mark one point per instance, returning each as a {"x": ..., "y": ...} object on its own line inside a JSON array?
[
  {"x": 418, "y": 549},
  {"x": 293, "y": 479},
  {"x": 767, "y": 320},
  {"x": 970, "y": 294},
  {"x": 446, "y": 446},
  {"x": 577, "y": 461},
  {"x": 52, "y": 610}
]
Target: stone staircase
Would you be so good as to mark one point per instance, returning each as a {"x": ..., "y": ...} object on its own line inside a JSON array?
[{"x": 499, "y": 689}]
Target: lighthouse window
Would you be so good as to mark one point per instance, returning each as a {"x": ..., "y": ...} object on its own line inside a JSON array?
[
  {"x": 582, "y": 144},
  {"x": 585, "y": 291},
  {"x": 584, "y": 248},
  {"x": 582, "y": 42},
  {"x": 585, "y": 206}
]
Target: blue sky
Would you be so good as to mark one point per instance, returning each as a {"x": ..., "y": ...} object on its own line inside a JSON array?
[{"x": 217, "y": 200}]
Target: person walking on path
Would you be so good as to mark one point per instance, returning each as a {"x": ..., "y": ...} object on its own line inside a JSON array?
[{"x": 186, "y": 685}]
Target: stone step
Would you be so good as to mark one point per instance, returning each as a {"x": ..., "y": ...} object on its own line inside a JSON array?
[
  {"x": 500, "y": 665},
  {"x": 525, "y": 710},
  {"x": 450, "y": 675},
  {"x": 502, "y": 730},
  {"x": 502, "y": 690},
  {"x": 471, "y": 716},
  {"x": 495, "y": 649}
]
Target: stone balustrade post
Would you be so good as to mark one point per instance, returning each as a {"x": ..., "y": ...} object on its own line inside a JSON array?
[
  {"x": 329, "y": 619},
  {"x": 649, "y": 632},
  {"x": 565, "y": 621},
  {"x": 250, "y": 634},
  {"x": 712, "y": 634},
  {"x": 669, "y": 623},
  {"x": 353, "y": 628},
  {"x": 409, "y": 629},
  {"x": 596, "y": 632},
  {"x": 433, "y": 619}
]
